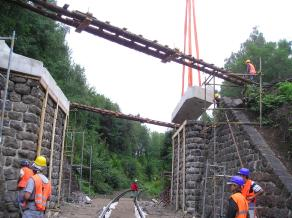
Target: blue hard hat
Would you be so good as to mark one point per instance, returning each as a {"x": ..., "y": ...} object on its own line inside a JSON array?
[
  {"x": 237, "y": 180},
  {"x": 243, "y": 171},
  {"x": 24, "y": 163}
]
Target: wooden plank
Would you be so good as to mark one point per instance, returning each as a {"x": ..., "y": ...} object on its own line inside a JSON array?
[
  {"x": 179, "y": 129},
  {"x": 184, "y": 167},
  {"x": 62, "y": 160},
  {"x": 41, "y": 129},
  {"x": 53, "y": 141},
  {"x": 172, "y": 178},
  {"x": 177, "y": 177}
]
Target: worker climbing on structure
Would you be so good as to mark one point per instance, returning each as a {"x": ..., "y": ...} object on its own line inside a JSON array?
[
  {"x": 250, "y": 191},
  {"x": 237, "y": 204},
  {"x": 37, "y": 191},
  {"x": 217, "y": 98},
  {"x": 134, "y": 187},
  {"x": 24, "y": 175},
  {"x": 250, "y": 69}
]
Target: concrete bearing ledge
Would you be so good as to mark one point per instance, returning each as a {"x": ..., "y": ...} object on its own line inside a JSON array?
[{"x": 32, "y": 67}]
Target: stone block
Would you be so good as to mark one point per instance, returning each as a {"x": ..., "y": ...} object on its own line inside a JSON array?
[
  {"x": 19, "y": 107},
  {"x": 8, "y": 161},
  {"x": 29, "y": 145},
  {"x": 26, "y": 136},
  {"x": 34, "y": 110},
  {"x": 17, "y": 79},
  {"x": 26, "y": 154},
  {"x": 11, "y": 185},
  {"x": 8, "y": 105},
  {"x": 37, "y": 92},
  {"x": 11, "y": 142},
  {"x": 30, "y": 118},
  {"x": 11, "y": 174},
  {"x": 8, "y": 152},
  {"x": 32, "y": 83},
  {"x": 15, "y": 115},
  {"x": 22, "y": 89},
  {"x": 32, "y": 127},
  {"x": 17, "y": 125},
  {"x": 15, "y": 97},
  {"x": 28, "y": 99},
  {"x": 8, "y": 132},
  {"x": 16, "y": 163}
]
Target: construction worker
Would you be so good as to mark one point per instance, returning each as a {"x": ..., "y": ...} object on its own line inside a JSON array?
[
  {"x": 24, "y": 175},
  {"x": 134, "y": 187},
  {"x": 250, "y": 69},
  {"x": 217, "y": 98},
  {"x": 37, "y": 191},
  {"x": 237, "y": 204},
  {"x": 250, "y": 190}
]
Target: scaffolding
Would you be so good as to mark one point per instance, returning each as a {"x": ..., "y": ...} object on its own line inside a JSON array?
[
  {"x": 220, "y": 170},
  {"x": 72, "y": 143},
  {"x": 12, "y": 39}
]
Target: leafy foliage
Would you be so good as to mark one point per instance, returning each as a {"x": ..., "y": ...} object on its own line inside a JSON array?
[{"x": 276, "y": 60}]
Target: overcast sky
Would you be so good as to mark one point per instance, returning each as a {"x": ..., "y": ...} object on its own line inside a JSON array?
[{"x": 141, "y": 84}]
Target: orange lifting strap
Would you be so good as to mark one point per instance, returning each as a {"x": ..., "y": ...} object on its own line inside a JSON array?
[{"x": 190, "y": 8}]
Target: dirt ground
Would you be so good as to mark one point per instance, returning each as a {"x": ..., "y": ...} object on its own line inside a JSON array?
[{"x": 124, "y": 209}]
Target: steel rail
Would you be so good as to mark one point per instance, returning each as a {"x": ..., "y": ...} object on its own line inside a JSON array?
[
  {"x": 116, "y": 199},
  {"x": 86, "y": 22},
  {"x": 137, "y": 205},
  {"x": 121, "y": 115}
]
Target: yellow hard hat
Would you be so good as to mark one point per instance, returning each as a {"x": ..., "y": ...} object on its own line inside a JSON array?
[
  {"x": 247, "y": 61},
  {"x": 41, "y": 161}
]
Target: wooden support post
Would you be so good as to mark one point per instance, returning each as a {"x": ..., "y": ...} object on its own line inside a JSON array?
[
  {"x": 53, "y": 141},
  {"x": 62, "y": 160},
  {"x": 41, "y": 129},
  {"x": 184, "y": 168},
  {"x": 172, "y": 172},
  {"x": 177, "y": 177}
]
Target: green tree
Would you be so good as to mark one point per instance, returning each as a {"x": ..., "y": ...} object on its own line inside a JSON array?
[{"x": 276, "y": 59}]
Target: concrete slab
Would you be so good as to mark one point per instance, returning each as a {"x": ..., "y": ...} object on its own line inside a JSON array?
[
  {"x": 25, "y": 65},
  {"x": 190, "y": 106}
]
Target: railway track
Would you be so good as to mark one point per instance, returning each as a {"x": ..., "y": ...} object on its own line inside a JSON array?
[{"x": 106, "y": 213}]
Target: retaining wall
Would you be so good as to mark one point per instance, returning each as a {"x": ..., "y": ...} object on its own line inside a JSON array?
[
  {"x": 34, "y": 121},
  {"x": 266, "y": 168}
]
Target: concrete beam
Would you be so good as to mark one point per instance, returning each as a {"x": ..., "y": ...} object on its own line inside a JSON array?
[
  {"x": 29, "y": 66},
  {"x": 191, "y": 105}
]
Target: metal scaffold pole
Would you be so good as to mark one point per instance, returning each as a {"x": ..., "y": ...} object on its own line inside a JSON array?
[
  {"x": 12, "y": 38},
  {"x": 90, "y": 170},
  {"x": 261, "y": 92},
  {"x": 214, "y": 125}
]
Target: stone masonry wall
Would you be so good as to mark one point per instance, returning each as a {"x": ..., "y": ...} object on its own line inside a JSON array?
[
  {"x": 195, "y": 139},
  {"x": 266, "y": 169},
  {"x": 20, "y": 133}
]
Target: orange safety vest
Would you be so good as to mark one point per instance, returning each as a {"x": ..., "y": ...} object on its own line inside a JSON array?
[
  {"x": 42, "y": 192},
  {"x": 242, "y": 205},
  {"x": 245, "y": 190},
  {"x": 24, "y": 179},
  {"x": 252, "y": 69}
]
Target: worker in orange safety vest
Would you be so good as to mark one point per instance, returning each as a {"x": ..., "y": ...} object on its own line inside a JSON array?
[
  {"x": 37, "y": 191},
  {"x": 24, "y": 174},
  {"x": 250, "y": 190},
  {"x": 237, "y": 204},
  {"x": 250, "y": 69},
  {"x": 217, "y": 98}
]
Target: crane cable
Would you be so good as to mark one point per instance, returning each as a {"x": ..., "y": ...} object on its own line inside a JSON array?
[{"x": 190, "y": 8}]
